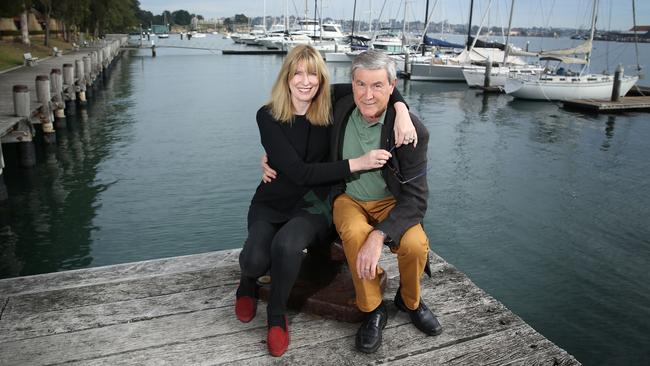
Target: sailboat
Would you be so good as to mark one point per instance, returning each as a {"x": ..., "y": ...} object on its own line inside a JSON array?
[
  {"x": 475, "y": 75},
  {"x": 562, "y": 84},
  {"x": 476, "y": 53}
]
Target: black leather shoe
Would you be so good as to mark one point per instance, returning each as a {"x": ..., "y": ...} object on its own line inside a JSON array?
[
  {"x": 422, "y": 317},
  {"x": 369, "y": 334}
]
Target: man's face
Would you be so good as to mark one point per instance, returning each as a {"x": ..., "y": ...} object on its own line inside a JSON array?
[{"x": 371, "y": 90}]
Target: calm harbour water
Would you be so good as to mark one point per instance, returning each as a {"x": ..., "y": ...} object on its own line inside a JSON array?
[{"x": 545, "y": 209}]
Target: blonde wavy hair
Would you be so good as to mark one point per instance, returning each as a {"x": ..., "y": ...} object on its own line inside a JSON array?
[{"x": 319, "y": 111}]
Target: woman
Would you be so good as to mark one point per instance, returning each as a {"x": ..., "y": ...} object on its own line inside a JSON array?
[{"x": 294, "y": 210}]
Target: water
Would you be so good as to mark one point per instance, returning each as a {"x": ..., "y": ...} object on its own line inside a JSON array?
[{"x": 547, "y": 210}]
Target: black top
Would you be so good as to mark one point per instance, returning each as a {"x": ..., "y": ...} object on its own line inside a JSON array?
[{"x": 299, "y": 152}]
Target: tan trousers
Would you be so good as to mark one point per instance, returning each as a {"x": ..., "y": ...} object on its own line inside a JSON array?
[{"x": 354, "y": 221}]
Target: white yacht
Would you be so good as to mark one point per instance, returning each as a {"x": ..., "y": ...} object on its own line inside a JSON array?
[{"x": 561, "y": 84}]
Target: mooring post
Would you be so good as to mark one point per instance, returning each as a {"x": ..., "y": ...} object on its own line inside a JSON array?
[
  {"x": 87, "y": 76},
  {"x": 45, "y": 115},
  {"x": 69, "y": 88},
  {"x": 407, "y": 64},
  {"x": 488, "y": 71},
  {"x": 616, "y": 89},
  {"x": 58, "y": 101},
  {"x": 81, "y": 83},
  {"x": 23, "y": 134},
  {"x": 93, "y": 60}
]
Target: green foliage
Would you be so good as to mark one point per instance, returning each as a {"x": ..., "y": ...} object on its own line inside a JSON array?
[
  {"x": 181, "y": 17},
  {"x": 241, "y": 19},
  {"x": 10, "y": 8}
]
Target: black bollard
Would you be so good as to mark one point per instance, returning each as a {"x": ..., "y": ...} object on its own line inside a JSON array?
[
  {"x": 26, "y": 154},
  {"x": 616, "y": 89},
  {"x": 153, "y": 51},
  {"x": 488, "y": 71},
  {"x": 4, "y": 194}
]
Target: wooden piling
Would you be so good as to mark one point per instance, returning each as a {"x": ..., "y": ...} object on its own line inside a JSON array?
[
  {"x": 81, "y": 85},
  {"x": 488, "y": 71},
  {"x": 87, "y": 76},
  {"x": 407, "y": 63},
  {"x": 616, "y": 89},
  {"x": 22, "y": 134},
  {"x": 58, "y": 102},
  {"x": 45, "y": 113}
]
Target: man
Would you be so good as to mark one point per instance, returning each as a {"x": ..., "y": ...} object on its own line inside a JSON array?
[{"x": 385, "y": 205}]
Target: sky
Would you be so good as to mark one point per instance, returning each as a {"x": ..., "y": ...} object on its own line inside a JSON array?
[{"x": 613, "y": 14}]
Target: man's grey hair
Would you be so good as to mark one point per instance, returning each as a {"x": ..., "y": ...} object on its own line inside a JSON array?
[{"x": 375, "y": 60}]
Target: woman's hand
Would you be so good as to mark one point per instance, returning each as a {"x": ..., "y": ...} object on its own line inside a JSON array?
[
  {"x": 268, "y": 174},
  {"x": 373, "y": 159},
  {"x": 404, "y": 129}
]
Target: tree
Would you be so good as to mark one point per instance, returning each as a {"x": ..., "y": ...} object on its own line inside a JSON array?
[
  {"x": 181, "y": 17},
  {"x": 241, "y": 19}
]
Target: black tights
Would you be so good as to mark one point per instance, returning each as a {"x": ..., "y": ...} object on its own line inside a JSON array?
[{"x": 280, "y": 248}]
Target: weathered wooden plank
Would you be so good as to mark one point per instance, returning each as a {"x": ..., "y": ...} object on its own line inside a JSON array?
[
  {"x": 313, "y": 341},
  {"x": 188, "y": 327},
  {"x": 33, "y": 315},
  {"x": 18, "y": 326},
  {"x": 120, "y": 272},
  {"x": 70, "y": 298},
  {"x": 520, "y": 344}
]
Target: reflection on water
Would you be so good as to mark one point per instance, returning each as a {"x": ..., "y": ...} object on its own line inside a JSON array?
[{"x": 545, "y": 209}]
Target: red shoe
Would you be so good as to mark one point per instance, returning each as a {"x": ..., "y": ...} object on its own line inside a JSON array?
[
  {"x": 245, "y": 308},
  {"x": 277, "y": 339}
]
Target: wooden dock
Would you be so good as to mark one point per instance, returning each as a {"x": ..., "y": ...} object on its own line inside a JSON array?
[
  {"x": 26, "y": 76},
  {"x": 180, "y": 311},
  {"x": 637, "y": 99},
  {"x": 624, "y": 104}
]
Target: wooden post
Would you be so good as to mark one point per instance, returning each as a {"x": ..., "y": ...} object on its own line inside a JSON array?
[
  {"x": 407, "y": 64},
  {"x": 616, "y": 89},
  {"x": 488, "y": 71},
  {"x": 81, "y": 83},
  {"x": 45, "y": 113},
  {"x": 58, "y": 102},
  {"x": 26, "y": 150},
  {"x": 93, "y": 61},
  {"x": 87, "y": 75},
  {"x": 69, "y": 88}
]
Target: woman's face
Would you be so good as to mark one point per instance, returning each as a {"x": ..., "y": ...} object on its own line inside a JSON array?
[{"x": 303, "y": 85}]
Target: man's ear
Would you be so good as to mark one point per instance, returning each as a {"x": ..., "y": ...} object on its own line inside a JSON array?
[{"x": 392, "y": 85}]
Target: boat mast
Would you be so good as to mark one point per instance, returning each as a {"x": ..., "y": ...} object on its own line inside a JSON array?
[
  {"x": 505, "y": 52},
  {"x": 593, "y": 29},
  {"x": 354, "y": 13},
  {"x": 636, "y": 41},
  {"x": 426, "y": 21},
  {"x": 469, "y": 26}
]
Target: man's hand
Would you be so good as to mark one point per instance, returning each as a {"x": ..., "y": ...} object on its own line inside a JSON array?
[
  {"x": 268, "y": 174},
  {"x": 369, "y": 254},
  {"x": 404, "y": 130}
]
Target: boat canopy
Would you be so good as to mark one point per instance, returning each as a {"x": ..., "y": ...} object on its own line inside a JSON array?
[
  {"x": 440, "y": 43},
  {"x": 513, "y": 51},
  {"x": 485, "y": 44},
  {"x": 566, "y": 60},
  {"x": 580, "y": 49}
]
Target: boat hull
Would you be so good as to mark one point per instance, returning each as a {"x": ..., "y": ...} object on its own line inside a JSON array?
[
  {"x": 570, "y": 88},
  {"x": 475, "y": 75},
  {"x": 436, "y": 72}
]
